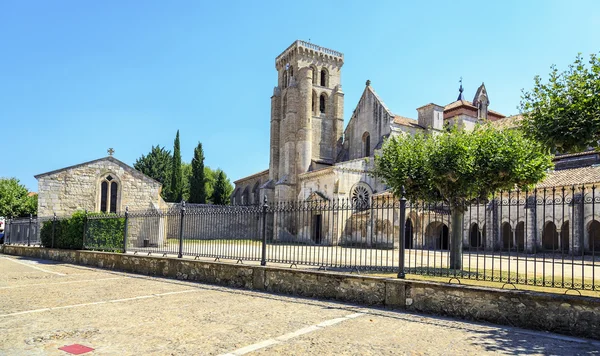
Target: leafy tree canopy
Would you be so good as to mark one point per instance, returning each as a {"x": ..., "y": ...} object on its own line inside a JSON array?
[
  {"x": 157, "y": 165},
  {"x": 564, "y": 113},
  {"x": 459, "y": 165},
  {"x": 14, "y": 199}
]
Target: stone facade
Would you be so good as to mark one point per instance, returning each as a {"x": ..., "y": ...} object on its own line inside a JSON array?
[
  {"x": 310, "y": 158},
  {"x": 78, "y": 187}
]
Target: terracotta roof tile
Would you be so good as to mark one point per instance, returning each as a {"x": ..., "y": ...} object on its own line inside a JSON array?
[
  {"x": 569, "y": 177},
  {"x": 510, "y": 122},
  {"x": 405, "y": 121}
]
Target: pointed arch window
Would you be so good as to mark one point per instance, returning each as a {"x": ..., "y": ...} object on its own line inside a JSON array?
[
  {"x": 366, "y": 144},
  {"x": 109, "y": 195}
]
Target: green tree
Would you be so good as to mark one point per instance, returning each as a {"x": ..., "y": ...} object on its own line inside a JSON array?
[
  {"x": 186, "y": 175},
  {"x": 210, "y": 178},
  {"x": 198, "y": 180},
  {"x": 176, "y": 174},
  {"x": 458, "y": 166},
  {"x": 15, "y": 200},
  {"x": 157, "y": 165},
  {"x": 222, "y": 189},
  {"x": 564, "y": 113}
]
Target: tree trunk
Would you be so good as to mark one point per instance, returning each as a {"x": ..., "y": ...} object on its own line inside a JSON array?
[{"x": 456, "y": 240}]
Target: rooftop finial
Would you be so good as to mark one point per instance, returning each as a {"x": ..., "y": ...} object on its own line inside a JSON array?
[
  {"x": 368, "y": 82},
  {"x": 460, "y": 91},
  {"x": 110, "y": 151}
]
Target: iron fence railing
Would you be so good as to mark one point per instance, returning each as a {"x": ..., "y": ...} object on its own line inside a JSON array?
[
  {"x": 22, "y": 231},
  {"x": 547, "y": 237}
]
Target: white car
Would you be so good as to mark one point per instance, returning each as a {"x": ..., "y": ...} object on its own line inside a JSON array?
[{"x": 1, "y": 223}]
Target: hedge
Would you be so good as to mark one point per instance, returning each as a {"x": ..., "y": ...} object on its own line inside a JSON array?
[{"x": 106, "y": 233}]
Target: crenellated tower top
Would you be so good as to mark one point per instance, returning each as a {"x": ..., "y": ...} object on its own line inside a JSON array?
[{"x": 308, "y": 51}]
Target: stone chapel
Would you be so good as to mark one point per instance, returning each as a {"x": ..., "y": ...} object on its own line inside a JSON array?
[{"x": 102, "y": 185}]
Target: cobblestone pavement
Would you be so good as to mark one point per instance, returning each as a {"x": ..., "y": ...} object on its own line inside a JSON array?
[{"x": 46, "y": 305}]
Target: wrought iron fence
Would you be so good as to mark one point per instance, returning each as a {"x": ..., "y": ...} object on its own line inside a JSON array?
[
  {"x": 547, "y": 237},
  {"x": 22, "y": 231}
]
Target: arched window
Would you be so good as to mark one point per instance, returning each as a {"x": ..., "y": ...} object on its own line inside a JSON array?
[
  {"x": 520, "y": 236},
  {"x": 322, "y": 104},
  {"x": 564, "y": 237},
  {"x": 408, "y": 234},
  {"x": 315, "y": 74},
  {"x": 109, "y": 195},
  {"x": 285, "y": 80},
  {"x": 366, "y": 144},
  {"x": 323, "y": 77},
  {"x": 284, "y": 105},
  {"x": 314, "y": 103},
  {"x": 550, "y": 237},
  {"x": 594, "y": 235},
  {"x": 507, "y": 236},
  {"x": 475, "y": 236},
  {"x": 291, "y": 71}
]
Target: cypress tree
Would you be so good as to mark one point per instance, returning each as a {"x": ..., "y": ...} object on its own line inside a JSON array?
[
  {"x": 220, "y": 195},
  {"x": 176, "y": 174},
  {"x": 198, "y": 180}
]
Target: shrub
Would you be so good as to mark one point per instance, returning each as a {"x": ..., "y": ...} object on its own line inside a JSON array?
[{"x": 106, "y": 233}]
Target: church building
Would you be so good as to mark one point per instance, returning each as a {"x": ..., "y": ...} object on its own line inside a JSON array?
[{"x": 312, "y": 155}]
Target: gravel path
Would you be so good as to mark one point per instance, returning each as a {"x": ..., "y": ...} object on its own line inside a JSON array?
[{"x": 46, "y": 305}]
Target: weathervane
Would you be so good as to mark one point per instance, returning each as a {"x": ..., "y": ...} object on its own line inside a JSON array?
[{"x": 110, "y": 151}]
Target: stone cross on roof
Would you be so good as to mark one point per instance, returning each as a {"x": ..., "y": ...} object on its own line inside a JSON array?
[{"x": 110, "y": 151}]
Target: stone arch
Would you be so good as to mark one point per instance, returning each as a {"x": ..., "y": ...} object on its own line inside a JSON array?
[
  {"x": 436, "y": 235},
  {"x": 564, "y": 236},
  {"x": 408, "y": 233},
  {"x": 475, "y": 238},
  {"x": 593, "y": 230},
  {"x": 323, "y": 103},
  {"x": 324, "y": 77},
  {"x": 549, "y": 236},
  {"x": 366, "y": 140},
  {"x": 507, "y": 236},
  {"x": 520, "y": 236},
  {"x": 315, "y": 74},
  {"x": 245, "y": 199}
]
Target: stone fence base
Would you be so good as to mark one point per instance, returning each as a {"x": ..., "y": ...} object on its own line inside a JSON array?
[{"x": 566, "y": 314}]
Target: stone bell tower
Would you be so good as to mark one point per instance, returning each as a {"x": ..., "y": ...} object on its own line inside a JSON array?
[{"x": 307, "y": 109}]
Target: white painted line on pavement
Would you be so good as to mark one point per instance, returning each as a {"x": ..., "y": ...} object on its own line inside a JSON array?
[
  {"x": 34, "y": 267},
  {"x": 280, "y": 339},
  {"x": 100, "y": 302},
  {"x": 66, "y": 282}
]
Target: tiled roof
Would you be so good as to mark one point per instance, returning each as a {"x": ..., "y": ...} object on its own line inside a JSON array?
[
  {"x": 465, "y": 103},
  {"x": 405, "y": 121},
  {"x": 508, "y": 122},
  {"x": 568, "y": 177}
]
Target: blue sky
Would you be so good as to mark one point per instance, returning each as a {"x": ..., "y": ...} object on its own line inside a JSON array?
[{"x": 78, "y": 77}]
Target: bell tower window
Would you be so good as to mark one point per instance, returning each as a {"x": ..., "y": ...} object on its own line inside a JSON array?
[
  {"x": 322, "y": 104},
  {"x": 109, "y": 195},
  {"x": 323, "y": 77}
]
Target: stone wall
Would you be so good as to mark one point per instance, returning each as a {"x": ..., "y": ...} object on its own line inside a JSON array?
[
  {"x": 567, "y": 314},
  {"x": 78, "y": 188}
]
